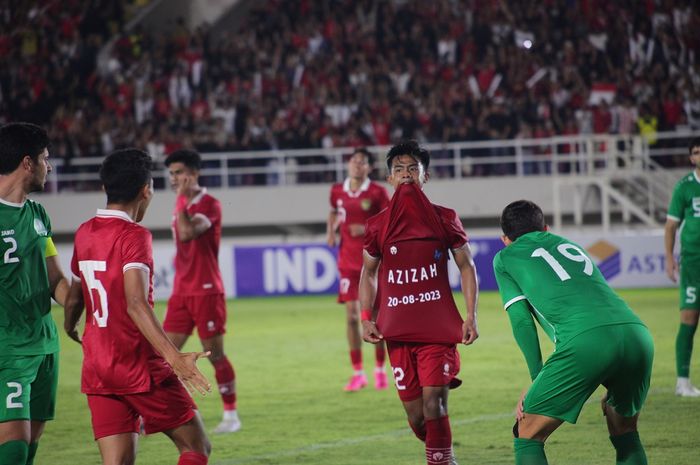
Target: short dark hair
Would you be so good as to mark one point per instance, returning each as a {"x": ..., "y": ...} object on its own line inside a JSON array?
[
  {"x": 17, "y": 140},
  {"x": 409, "y": 147},
  {"x": 693, "y": 143},
  {"x": 521, "y": 217},
  {"x": 189, "y": 158},
  {"x": 369, "y": 156},
  {"x": 124, "y": 173}
]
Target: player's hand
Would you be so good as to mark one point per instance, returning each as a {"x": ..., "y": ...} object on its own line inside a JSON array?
[
  {"x": 469, "y": 332},
  {"x": 672, "y": 268},
  {"x": 519, "y": 408},
  {"x": 356, "y": 229},
  {"x": 185, "y": 367},
  {"x": 370, "y": 332},
  {"x": 185, "y": 184},
  {"x": 330, "y": 239},
  {"x": 73, "y": 334}
]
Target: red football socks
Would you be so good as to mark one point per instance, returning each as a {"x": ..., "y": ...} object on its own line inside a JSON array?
[
  {"x": 356, "y": 359},
  {"x": 438, "y": 441},
  {"x": 192, "y": 458},
  {"x": 226, "y": 379},
  {"x": 380, "y": 354}
]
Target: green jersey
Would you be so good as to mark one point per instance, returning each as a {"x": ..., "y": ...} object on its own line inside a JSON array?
[
  {"x": 565, "y": 289},
  {"x": 685, "y": 208},
  {"x": 26, "y": 325}
]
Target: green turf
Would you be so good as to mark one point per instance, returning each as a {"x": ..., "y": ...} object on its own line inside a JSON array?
[{"x": 291, "y": 362}]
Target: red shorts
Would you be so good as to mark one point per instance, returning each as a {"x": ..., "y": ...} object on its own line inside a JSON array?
[
  {"x": 166, "y": 406},
  {"x": 348, "y": 286},
  {"x": 416, "y": 365},
  {"x": 207, "y": 312}
]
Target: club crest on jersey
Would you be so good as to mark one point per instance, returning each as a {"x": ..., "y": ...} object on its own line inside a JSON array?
[
  {"x": 393, "y": 250},
  {"x": 446, "y": 369},
  {"x": 40, "y": 228},
  {"x": 412, "y": 275},
  {"x": 366, "y": 204},
  {"x": 437, "y": 255}
]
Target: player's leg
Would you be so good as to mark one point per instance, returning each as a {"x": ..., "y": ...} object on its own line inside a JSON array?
[
  {"x": 118, "y": 449},
  {"x": 358, "y": 380},
  {"x": 628, "y": 386},
  {"x": 690, "y": 309},
  {"x": 380, "y": 381},
  {"x": 115, "y": 425},
  {"x": 16, "y": 377},
  {"x": 532, "y": 431},
  {"x": 684, "y": 352},
  {"x": 43, "y": 401},
  {"x": 191, "y": 441}
]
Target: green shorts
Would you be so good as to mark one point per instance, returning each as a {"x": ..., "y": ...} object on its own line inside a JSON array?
[
  {"x": 28, "y": 387},
  {"x": 618, "y": 356},
  {"x": 689, "y": 283}
]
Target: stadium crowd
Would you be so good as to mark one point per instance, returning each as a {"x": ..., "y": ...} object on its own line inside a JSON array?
[{"x": 345, "y": 73}]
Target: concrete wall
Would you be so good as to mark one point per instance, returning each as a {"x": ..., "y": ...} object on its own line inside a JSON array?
[{"x": 290, "y": 205}]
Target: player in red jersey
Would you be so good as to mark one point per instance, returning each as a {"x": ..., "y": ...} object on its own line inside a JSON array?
[
  {"x": 353, "y": 202},
  {"x": 407, "y": 301},
  {"x": 198, "y": 298},
  {"x": 131, "y": 370}
]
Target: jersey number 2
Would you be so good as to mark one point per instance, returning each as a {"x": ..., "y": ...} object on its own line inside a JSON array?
[
  {"x": 8, "y": 258},
  {"x": 565, "y": 250},
  {"x": 100, "y": 308}
]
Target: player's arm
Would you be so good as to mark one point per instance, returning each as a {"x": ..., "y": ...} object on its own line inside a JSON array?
[
  {"x": 139, "y": 310},
  {"x": 669, "y": 242},
  {"x": 73, "y": 310},
  {"x": 331, "y": 227},
  {"x": 470, "y": 290},
  {"x": 525, "y": 334},
  {"x": 368, "y": 294},
  {"x": 190, "y": 227},
  {"x": 58, "y": 284}
]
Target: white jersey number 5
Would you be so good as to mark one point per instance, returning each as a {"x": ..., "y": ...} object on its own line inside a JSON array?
[{"x": 100, "y": 308}]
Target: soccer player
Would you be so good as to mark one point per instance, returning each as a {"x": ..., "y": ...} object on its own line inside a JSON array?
[
  {"x": 30, "y": 274},
  {"x": 597, "y": 338},
  {"x": 198, "y": 292},
  {"x": 685, "y": 209},
  {"x": 131, "y": 370},
  {"x": 353, "y": 202},
  {"x": 407, "y": 300}
]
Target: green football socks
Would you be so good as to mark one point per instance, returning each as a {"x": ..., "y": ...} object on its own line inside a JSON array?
[
  {"x": 684, "y": 349},
  {"x": 629, "y": 449},
  {"x": 13, "y": 453},
  {"x": 529, "y": 452},
  {"x": 31, "y": 453}
]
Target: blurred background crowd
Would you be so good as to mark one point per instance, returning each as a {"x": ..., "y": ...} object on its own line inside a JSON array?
[{"x": 333, "y": 73}]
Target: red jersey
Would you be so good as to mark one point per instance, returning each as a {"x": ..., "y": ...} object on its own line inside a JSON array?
[
  {"x": 355, "y": 208},
  {"x": 117, "y": 358},
  {"x": 197, "y": 261},
  {"x": 413, "y": 238}
]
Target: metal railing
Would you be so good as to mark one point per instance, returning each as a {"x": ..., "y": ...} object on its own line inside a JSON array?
[{"x": 566, "y": 156}]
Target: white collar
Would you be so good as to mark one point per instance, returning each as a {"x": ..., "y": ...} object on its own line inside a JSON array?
[
  {"x": 105, "y": 213},
  {"x": 12, "y": 204},
  {"x": 363, "y": 187},
  {"x": 199, "y": 196}
]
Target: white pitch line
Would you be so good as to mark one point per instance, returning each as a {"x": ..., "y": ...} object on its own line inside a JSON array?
[
  {"x": 388, "y": 434},
  {"x": 351, "y": 441}
]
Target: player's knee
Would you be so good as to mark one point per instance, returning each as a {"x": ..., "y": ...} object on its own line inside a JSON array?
[
  {"x": 433, "y": 408},
  {"x": 617, "y": 424},
  {"x": 537, "y": 431}
]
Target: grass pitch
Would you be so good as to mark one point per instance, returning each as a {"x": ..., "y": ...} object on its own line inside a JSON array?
[{"x": 291, "y": 362}]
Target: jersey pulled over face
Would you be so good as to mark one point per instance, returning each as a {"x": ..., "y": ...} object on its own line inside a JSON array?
[
  {"x": 564, "y": 287},
  {"x": 355, "y": 207},
  {"x": 412, "y": 238},
  {"x": 685, "y": 208},
  {"x": 197, "y": 261},
  {"x": 26, "y": 325},
  {"x": 117, "y": 357}
]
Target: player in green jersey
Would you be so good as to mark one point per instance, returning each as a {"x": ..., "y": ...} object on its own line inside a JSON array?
[
  {"x": 30, "y": 274},
  {"x": 598, "y": 339},
  {"x": 685, "y": 209}
]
